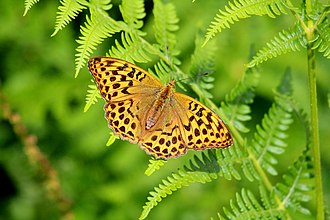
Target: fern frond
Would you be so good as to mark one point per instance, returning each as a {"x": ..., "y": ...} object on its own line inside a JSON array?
[
  {"x": 166, "y": 22},
  {"x": 112, "y": 138},
  {"x": 237, "y": 102},
  {"x": 132, "y": 49},
  {"x": 247, "y": 206},
  {"x": 270, "y": 135},
  {"x": 133, "y": 13},
  {"x": 228, "y": 160},
  {"x": 92, "y": 96},
  {"x": 28, "y": 5},
  {"x": 297, "y": 184},
  {"x": 154, "y": 165},
  {"x": 67, "y": 11},
  {"x": 240, "y": 9},
  {"x": 173, "y": 183},
  {"x": 286, "y": 41},
  {"x": 202, "y": 62},
  {"x": 163, "y": 71},
  {"x": 97, "y": 27},
  {"x": 323, "y": 42},
  {"x": 221, "y": 163}
]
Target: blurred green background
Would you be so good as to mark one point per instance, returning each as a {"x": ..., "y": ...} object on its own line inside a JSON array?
[{"x": 37, "y": 79}]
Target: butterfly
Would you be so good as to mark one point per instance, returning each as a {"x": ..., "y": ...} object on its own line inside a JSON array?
[{"x": 163, "y": 122}]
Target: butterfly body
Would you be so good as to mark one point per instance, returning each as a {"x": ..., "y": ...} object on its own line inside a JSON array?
[{"x": 163, "y": 122}]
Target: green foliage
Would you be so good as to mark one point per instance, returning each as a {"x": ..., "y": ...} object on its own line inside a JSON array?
[
  {"x": 67, "y": 11},
  {"x": 287, "y": 41},
  {"x": 247, "y": 206},
  {"x": 297, "y": 184},
  {"x": 171, "y": 184},
  {"x": 97, "y": 27},
  {"x": 28, "y": 5},
  {"x": 92, "y": 96},
  {"x": 154, "y": 165},
  {"x": 240, "y": 9},
  {"x": 270, "y": 135}
]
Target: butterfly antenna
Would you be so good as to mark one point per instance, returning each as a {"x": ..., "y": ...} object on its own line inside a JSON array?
[{"x": 193, "y": 78}]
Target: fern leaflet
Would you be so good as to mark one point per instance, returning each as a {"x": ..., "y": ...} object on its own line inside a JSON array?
[
  {"x": 269, "y": 137},
  {"x": 28, "y": 5},
  {"x": 287, "y": 41},
  {"x": 173, "y": 183},
  {"x": 67, "y": 11},
  {"x": 92, "y": 96},
  {"x": 236, "y": 106},
  {"x": 133, "y": 13},
  {"x": 98, "y": 27},
  {"x": 240, "y": 9},
  {"x": 154, "y": 165},
  {"x": 297, "y": 182},
  {"x": 202, "y": 63},
  {"x": 247, "y": 206},
  {"x": 165, "y": 24},
  {"x": 132, "y": 49},
  {"x": 323, "y": 42}
]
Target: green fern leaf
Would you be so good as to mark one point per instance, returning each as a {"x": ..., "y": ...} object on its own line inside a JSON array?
[
  {"x": 270, "y": 135},
  {"x": 133, "y": 13},
  {"x": 132, "y": 49},
  {"x": 240, "y": 9},
  {"x": 202, "y": 63},
  {"x": 173, "y": 183},
  {"x": 287, "y": 41},
  {"x": 229, "y": 159},
  {"x": 247, "y": 206},
  {"x": 323, "y": 42},
  {"x": 154, "y": 165},
  {"x": 297, "y": 184},
  {"x": 163, "y": 71},
  {"x": 236, "y": 106},
  {"x": 67, "y": 11},
  {"x": 28, "y": 5},
  {"x": 97, "y": 28},
  {"x": 165, "y": 24},
  {"x": 92, "y": 96},
  {"x": 112, "y": 138}
]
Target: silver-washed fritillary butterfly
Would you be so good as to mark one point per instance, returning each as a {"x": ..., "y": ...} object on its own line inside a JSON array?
[{"x": 163, "y": 122}]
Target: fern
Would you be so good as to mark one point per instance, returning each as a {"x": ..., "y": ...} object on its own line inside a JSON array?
[
  {"x": 240, "y": 9},
  {"x": 323, "y": 42},
  {"x": 132, "y": 49},
  {"x": 97, "y": 27},
  {"x": 164, "y": 25},
  {"x": 133, "y": 13},
  {"x": 202, "y": 63},
  {"x": 230, "y": 158},
  {"x": 247, "y": 206},
  {"x": 28, "y": 5},
  {"x": 92, "y": 96},
  {"x": 269, "y": 137},
  {"x": 67, "y": 11},
  {"x": 297, "y": 184},
  {"x": 154, "y": 165},
  {"x": 236, "y": 105},
  {"x": 287, "y": 41},
  {"x": 171, "y": 184}
]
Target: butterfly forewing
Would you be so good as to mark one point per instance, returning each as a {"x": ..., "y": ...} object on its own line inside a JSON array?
[
  {"x": 133, "y": 97},
  {"x": 119, "y": 80}
]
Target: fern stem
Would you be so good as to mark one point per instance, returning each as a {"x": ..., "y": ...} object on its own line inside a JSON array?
[{"x": 314, "y": 120}]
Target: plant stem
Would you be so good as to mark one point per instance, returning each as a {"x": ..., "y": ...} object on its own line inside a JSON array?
[{"x": 314, "y": 122}]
